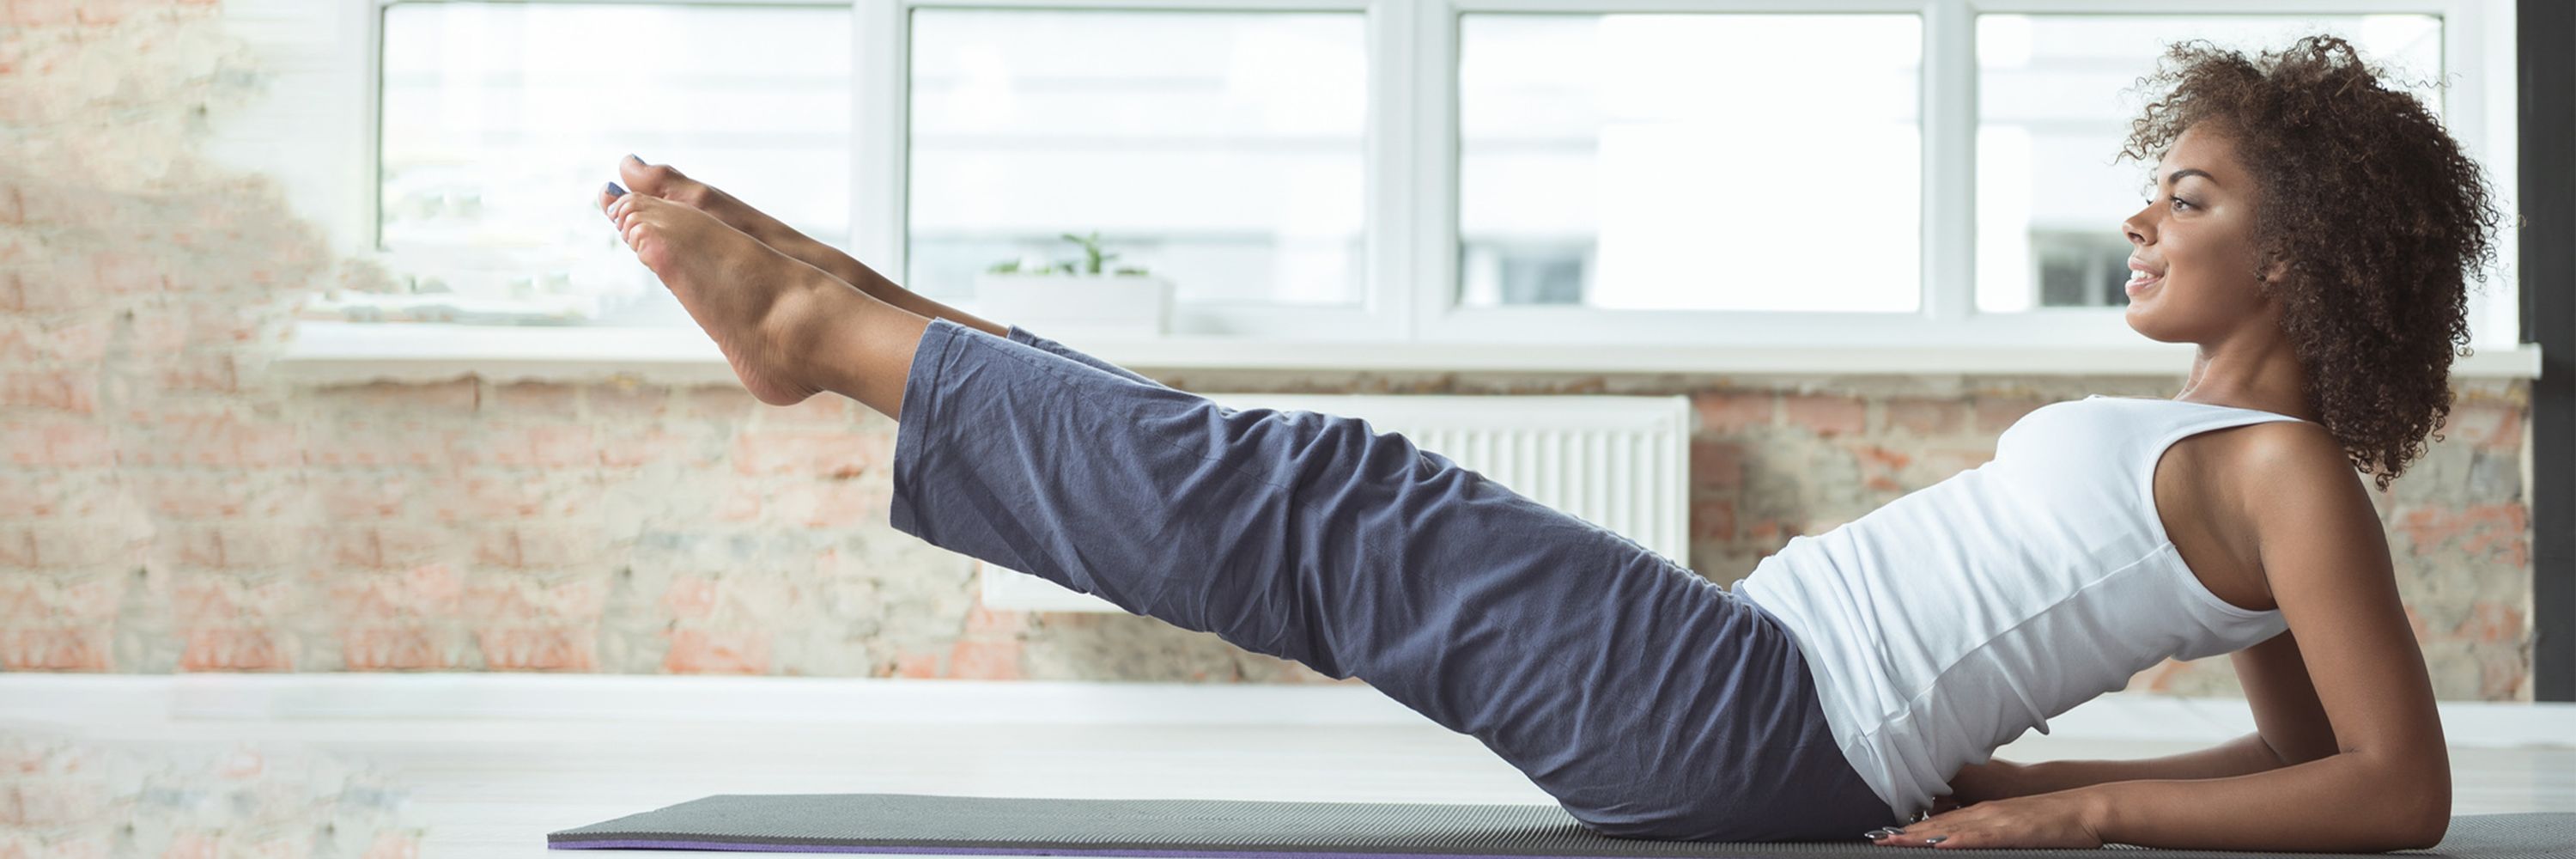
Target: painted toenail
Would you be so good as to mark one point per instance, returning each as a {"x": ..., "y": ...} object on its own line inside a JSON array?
[
  {"x": 615, "y": 191},
  {"x": 633, "y": 157}
]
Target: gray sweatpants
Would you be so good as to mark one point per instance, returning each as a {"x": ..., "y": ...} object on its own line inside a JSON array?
[{"x": 1649, "y": 701}]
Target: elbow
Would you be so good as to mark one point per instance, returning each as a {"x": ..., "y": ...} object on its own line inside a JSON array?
[
  {"x": 2431, "y": 827},
  {"x": 2414, "y": 800},
  {"x": 2428, "y": 819},
  {"x": 2422, "y": 837}
]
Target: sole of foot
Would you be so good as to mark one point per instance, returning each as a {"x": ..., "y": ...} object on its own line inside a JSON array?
[{"x": 766, "y": 311}]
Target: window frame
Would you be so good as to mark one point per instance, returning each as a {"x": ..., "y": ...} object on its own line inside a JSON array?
[{"x": 1410, "y": 313}]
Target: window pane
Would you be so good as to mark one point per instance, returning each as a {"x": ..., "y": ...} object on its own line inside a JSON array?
[
  {"x": 501, "y": 120},
  {"x": 2055, "y": 97},
  {"x": 1221, "y": 150},
  {"x": 1704, "y": 162}
]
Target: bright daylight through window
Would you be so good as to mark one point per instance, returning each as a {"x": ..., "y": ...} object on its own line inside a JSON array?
[
  {"x": 1635, "y": 161},
  {"x": 1220, "y": 150},
  {"x": 1735, "y": 168},
  {"x": 501, "y": 119}
]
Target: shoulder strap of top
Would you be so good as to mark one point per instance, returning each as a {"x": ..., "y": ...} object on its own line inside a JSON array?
[{"x": 2211, "y": 408}]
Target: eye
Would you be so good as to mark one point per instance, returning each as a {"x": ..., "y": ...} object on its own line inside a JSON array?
[{"x": 2180, "y": 203}]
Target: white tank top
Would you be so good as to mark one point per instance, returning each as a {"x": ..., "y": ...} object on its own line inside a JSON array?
[{"x": 1941, "y": 626}]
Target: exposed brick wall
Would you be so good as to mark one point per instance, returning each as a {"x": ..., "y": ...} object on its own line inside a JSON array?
[{"x": 167, "y": 503}]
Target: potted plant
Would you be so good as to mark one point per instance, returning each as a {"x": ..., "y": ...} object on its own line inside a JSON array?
[{"x": 1077, "y": 297}]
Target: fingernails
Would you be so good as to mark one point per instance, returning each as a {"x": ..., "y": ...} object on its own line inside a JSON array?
[
  {"x": 631, "y": 157},
  {"x": 1936, "y": 839},
  {"x": 615, "y": 191}
]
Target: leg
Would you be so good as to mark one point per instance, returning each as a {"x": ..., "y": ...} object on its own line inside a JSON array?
[
  {"x": 790, "y": 330},
  {"x": 661, "y": 180},
  {"x": 666, "y": 182},
  {"x": 1649, "y": 701}
]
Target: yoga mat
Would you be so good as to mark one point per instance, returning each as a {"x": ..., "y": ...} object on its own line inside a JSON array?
[{"x": 1243, "y": 829}]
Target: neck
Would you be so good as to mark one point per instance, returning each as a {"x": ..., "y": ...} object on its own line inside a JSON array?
[{"x": 2249, "y": 370}]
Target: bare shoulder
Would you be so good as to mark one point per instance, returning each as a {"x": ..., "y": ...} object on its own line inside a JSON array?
[
  {"x": 2250, "y": 481},
  {"x": 2298, "y": 476},
  {"x": 2293, "y": 445}
]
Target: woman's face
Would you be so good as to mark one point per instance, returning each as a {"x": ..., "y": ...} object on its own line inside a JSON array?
[{"x": 2191, "y": 257}]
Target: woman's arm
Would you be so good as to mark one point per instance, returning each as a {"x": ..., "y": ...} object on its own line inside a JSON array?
[
  {"x": 2002, "y": 779},
  {"x": 2386, "y": 785},
  {"x": 2347, "y": 803}
]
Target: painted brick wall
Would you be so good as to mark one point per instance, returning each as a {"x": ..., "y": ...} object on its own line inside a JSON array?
[{"x": 167, "y": 503}]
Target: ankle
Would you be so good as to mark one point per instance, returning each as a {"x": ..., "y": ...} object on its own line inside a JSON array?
[{"x": 806, "y": 321}]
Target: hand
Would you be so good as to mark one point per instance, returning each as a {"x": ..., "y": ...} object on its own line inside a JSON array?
[{"x": 2057, "y": 819}]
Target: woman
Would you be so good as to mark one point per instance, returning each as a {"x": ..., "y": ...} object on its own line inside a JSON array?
[{"x": 2309, "y": 231}]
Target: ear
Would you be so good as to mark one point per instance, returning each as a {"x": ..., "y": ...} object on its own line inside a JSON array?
[{"x": 2273, "y": 272}]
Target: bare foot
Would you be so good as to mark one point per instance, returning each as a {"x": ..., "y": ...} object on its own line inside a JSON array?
[
  {"x": 668, "y": 183},
  {"x": 769, "y": 314}
]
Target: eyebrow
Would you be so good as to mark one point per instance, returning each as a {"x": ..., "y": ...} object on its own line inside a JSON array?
[{"x": 2178, "y": 175}]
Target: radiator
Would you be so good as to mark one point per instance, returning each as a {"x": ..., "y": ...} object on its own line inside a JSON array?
[{"x": 1622, "y": 463}]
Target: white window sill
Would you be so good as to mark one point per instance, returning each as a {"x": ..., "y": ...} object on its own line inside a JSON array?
[{"x": 340, "y": 352}]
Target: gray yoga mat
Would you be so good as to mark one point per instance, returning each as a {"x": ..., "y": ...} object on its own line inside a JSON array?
[{"x": 1243, "y": 829}]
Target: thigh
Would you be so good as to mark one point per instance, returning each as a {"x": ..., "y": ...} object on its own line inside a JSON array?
[{"x": 1648, "y": 700}]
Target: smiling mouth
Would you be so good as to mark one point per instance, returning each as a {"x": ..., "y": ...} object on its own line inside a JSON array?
[{"x": 2141, "y": 278}]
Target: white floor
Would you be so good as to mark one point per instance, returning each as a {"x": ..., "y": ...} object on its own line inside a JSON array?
[{"x": 493, "y": 787}]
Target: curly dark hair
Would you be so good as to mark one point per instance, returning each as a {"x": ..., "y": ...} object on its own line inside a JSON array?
[{"x": 2371, "y": 208}]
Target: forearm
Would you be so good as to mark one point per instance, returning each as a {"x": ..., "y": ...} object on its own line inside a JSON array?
[
  {"x": 2340, "y": 803},
  {"x": 2241, "y": 756}
]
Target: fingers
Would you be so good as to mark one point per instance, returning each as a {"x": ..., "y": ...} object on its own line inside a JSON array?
[
  {"x": 1930, "y": 831},
  {"x": 1917, "y": 837}
]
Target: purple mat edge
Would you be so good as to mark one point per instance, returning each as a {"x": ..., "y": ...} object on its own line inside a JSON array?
[{"x": 652, "y": 844}]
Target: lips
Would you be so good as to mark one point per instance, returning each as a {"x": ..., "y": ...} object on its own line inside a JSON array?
[{"x": 2143, "y": 277}]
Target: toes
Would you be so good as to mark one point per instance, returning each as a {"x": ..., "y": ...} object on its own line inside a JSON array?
[
  {"x": 649, "y": 247},
  {"x": 656, "y": 179},
  {"x": 628, "y": 207},
  {"x": 608, "y": 195},
  {"x": 628, "y": 213}
]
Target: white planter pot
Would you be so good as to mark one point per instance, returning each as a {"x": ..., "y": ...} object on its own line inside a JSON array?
[{"x": 1057, "y": 305}]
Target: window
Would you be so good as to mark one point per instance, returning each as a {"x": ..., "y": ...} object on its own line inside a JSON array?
[
  {"x": 1634, "y": 161},
  {"x": 1223, "y": 151},
  {"x": 2049, "y": 193},
  {"x": 500, "y": 121},
  {"x": 1746, "y": 174}
]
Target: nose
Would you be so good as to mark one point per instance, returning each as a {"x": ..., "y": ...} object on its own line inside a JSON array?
[{"x": 2135, "y": 229}]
